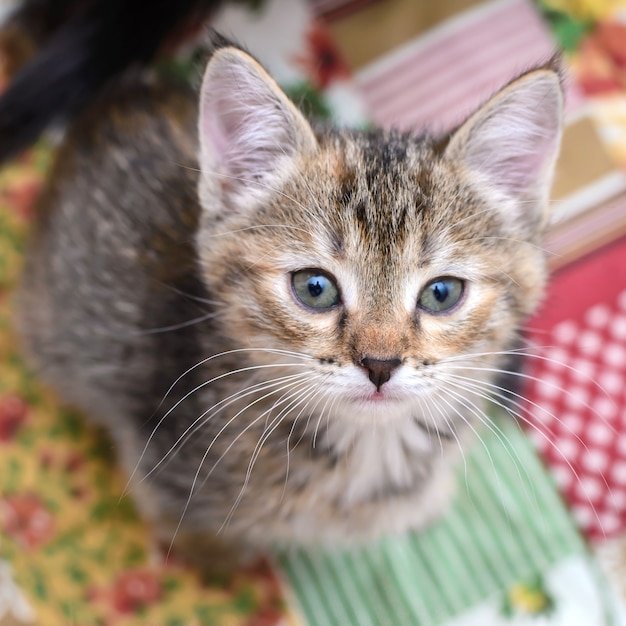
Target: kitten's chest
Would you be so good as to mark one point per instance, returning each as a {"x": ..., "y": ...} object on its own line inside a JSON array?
[{"x": 375, "y": 461}]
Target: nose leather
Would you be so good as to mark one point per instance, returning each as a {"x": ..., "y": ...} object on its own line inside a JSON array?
[{"x": 380, "y": 371}]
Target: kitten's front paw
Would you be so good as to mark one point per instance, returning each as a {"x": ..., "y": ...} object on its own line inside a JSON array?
[{"x": 212, "y": 557}]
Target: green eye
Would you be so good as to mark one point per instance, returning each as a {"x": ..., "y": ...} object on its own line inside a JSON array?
[
  {"x": 315, "y": 289},
  {"x": 441, "y": 294}
]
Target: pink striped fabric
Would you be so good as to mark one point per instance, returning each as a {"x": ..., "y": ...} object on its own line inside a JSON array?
[{"x": 439, "y": 79}]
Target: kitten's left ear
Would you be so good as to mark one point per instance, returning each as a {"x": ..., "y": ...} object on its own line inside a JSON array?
[
  {"x": 511, "y": 143},
  {"x": 250, "y": 132}
]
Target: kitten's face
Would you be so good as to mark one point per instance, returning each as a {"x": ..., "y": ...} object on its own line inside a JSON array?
[
  {"x": 380, "y": 261},
  {"x": 395, "y": 268}
]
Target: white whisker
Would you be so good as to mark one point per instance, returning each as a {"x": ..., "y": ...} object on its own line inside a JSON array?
[
  {"x": 457, "y": 440},
  {"x": 525, "y": 352},
  {"x": 203, "y": 418},
  {"x": 264, "y": 437},
  {"x": 206, "y": 383},
  {"x": 166, "y": 329},
  {"x": 470, "y": 386},
  {"x": 535, "y": 379},
  {"x": 496, "y": 431},
  {"x": 194, "y": 482}
]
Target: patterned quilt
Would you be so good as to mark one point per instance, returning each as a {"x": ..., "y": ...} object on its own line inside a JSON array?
[{"x": 537, "y": 534}]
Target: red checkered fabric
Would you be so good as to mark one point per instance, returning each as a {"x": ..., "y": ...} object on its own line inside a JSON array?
[{"x": 577, "y": 395}]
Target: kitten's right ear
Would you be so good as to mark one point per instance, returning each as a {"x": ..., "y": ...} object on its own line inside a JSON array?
[
  {"x": 511, "y": 143},
  {"x": 250, "y": 132}
]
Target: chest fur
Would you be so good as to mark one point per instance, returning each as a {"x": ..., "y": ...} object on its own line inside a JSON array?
[{"x": 378, "y": 460}]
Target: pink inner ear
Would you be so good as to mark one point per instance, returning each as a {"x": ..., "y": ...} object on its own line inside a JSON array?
[
  {"x": 233, "y": 146},
  {"x": 250, "y": 133},
  {"x": 531, "y": 164},
  {"x": 517, "y": 164},
  {"x": 214, "y": 137},
  {"x": 246, "y": 124},
  {"x": 512, "y": 141}
]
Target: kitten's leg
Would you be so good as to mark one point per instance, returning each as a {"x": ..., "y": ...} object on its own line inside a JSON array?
[{"x": 209, "y": 554}]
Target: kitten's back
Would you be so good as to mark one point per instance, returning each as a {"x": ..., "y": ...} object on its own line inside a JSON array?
[{"x": 119, "y": 244}]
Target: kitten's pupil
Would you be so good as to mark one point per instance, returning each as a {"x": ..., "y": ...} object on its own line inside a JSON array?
[
  {"x": 315, "y": 289},
  {"x": 441, "y": 294},
  {"x": 440, "y": 291}
]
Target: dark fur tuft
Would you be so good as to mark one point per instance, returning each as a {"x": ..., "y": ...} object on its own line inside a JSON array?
[{"x": 98, "y": 41}]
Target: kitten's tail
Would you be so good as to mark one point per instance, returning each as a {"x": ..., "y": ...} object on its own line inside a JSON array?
[{"x": 96, "y": 42}]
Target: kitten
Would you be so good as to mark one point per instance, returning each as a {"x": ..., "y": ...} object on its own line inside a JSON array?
[{"x": 288, "y": 332}]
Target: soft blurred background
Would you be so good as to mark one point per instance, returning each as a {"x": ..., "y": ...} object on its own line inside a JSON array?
[{"x": 538, "y": 534}]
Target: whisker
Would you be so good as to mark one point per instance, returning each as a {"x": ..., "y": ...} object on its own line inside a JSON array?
[
  {"x": 525, "y": 399},
  {"x": 505, "y": 442},
  {"x": 235, "y": 231},
  {"x": 505, "y": 393},
  {"x": 459, "y": 445},
  {"x": 206, "y": 383},
  {"x": 535, "y": 379},
  {"x": 289, "y": 448},
  {"x": 321, "y": 416},
  {"x": 484, "y": 418},
  {"x": 200, "y": 421},
  {"x": 539, "y": 357},
  {"x": 471, "y": 388},
  {"x": 330, "y": 399},
  {"x": 166, "y": 329},
  {"x": 425, "y": 407},
  {"x": 191, "y": 296},
  {"x": 228, "y": 353},
  {"x": 284, "y": 398},
  {"x": 470, "y": 426},
  {"x": 194, "y": 482},
  {"x": 267, "y": 433},
  {"x": 281, "y": 400}
]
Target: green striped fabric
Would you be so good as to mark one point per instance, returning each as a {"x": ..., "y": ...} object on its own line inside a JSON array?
[{"x": 507, "y": 525}]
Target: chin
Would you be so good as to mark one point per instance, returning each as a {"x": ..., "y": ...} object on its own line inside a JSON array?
[{"x": 378, "y": 408}]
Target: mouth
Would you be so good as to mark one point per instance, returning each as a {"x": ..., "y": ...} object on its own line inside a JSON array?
[{"x": 377, "y": 396}]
